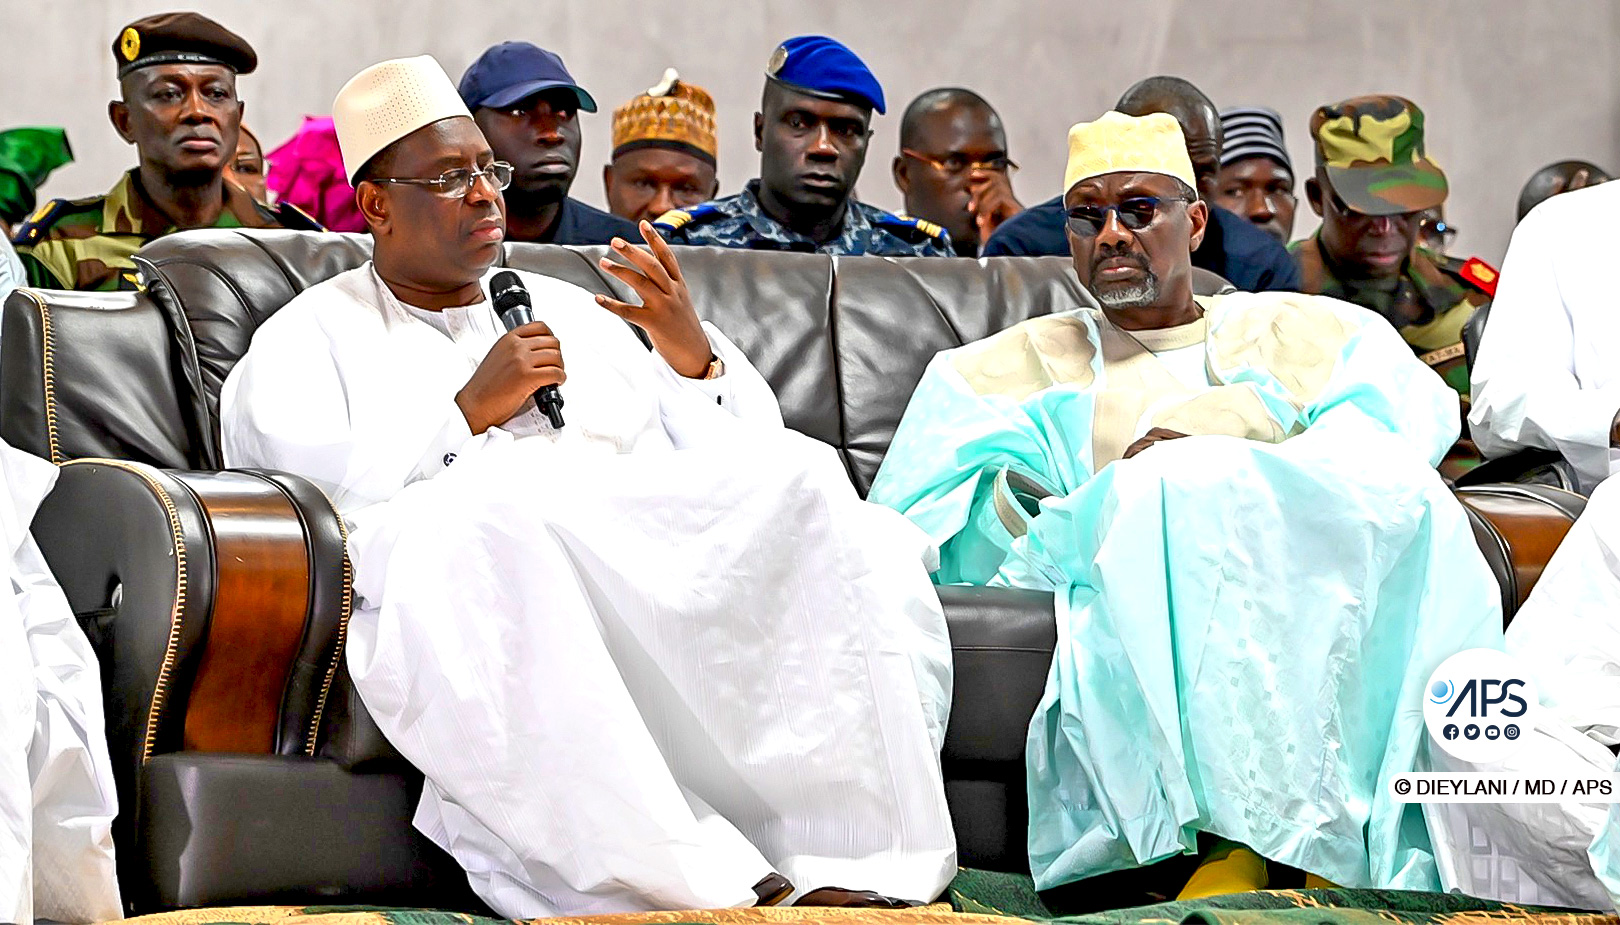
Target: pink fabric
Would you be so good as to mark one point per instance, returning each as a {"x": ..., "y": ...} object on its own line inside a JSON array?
[{"x": 307, "y": 171}]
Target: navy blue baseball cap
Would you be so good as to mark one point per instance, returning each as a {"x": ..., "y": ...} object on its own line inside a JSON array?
[
  {"x": 513, "y": 71},
  {"x": 819, "y": 66}
]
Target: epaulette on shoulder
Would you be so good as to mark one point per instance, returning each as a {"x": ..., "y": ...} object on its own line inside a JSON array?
[
  {"x": 30, "y": 231},
  {"x": 1480, "y": 275},
  {"x": 894, "y": 222},
  {"x": 679, "y": 218}
]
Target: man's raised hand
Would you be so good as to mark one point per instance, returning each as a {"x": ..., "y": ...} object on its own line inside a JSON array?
[{"x": 666, "y": 311}]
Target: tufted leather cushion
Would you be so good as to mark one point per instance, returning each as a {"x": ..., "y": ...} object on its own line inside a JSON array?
[
  {"x": 776, "y": 307},
  {"x": 225, "y": 285}
]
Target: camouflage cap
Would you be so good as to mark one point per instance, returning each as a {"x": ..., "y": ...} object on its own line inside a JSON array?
[{"x": 1371, "y": 148}]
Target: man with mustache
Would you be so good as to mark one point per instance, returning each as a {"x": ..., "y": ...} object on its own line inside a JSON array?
[
  {"x": 1374, "y": 180},
  {"x": 1232, "y": 248},
  {"x": 178, "y": 107},
  {"x": 1233, "y": 500},
  {"x": 629, "y": 686},
  {"x": 528, "y": 105},
  {"x": 812, "y": 133}
]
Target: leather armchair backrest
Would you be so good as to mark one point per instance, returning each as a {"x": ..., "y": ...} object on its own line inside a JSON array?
[
  {"x": 776, "y": 307},
  {"x": 843, "y": 342},
  {"x": 225, "y": 284},
  {"x": 892, "y": 316},
  {"x": 93, "y": 374}
]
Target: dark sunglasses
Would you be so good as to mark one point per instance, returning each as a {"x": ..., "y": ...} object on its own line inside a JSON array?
[{"x": 1135, "y": 213}]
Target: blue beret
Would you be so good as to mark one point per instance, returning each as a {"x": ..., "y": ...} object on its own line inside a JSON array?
[{"x": 820, "y": 66}]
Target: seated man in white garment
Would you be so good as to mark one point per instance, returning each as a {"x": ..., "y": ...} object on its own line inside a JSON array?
[
  {"x": 660, "y": 657},
  {"x": 57, "y": 797},
  {"x": 1548, "y": 371},
  {"x": 1234, "y": 499},
  {"x": 1566, "y": 637}
]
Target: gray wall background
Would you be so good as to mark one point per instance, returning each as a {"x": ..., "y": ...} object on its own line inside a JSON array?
[{"x": 1508, "y": 85}]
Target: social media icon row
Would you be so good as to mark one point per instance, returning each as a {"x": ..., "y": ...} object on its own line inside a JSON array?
[{"x": 1472, "y": 731}]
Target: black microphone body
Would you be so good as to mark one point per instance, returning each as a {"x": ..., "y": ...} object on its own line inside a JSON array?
[{"x": 516, "y": 309}]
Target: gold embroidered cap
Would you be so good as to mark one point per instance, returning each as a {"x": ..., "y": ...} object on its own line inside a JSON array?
[
  {"x": 673, "y": 114},
  {"x": 1117, "y": 143}
]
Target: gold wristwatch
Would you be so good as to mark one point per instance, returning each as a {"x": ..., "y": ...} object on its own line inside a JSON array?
[{"x": 717, "y": 368}]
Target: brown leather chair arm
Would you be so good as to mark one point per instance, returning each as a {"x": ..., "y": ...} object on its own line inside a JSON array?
[{"x": 216, "y": 603}]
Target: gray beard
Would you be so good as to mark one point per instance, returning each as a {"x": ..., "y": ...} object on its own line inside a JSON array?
[{"x": 1137, "y": 295}]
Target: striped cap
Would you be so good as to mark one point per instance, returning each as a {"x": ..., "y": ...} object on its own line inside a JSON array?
[{"x": 1253, "y": 131}]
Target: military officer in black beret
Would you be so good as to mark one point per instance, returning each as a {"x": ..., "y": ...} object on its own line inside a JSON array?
[{"x": 178, "y": 107}]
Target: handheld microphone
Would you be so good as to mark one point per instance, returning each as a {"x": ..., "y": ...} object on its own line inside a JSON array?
[{"x": 513, "y": 305}]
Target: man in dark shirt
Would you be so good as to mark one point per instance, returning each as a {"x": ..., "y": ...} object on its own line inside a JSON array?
[
  {"x": 527, "y": 105},
  {"x": 1233, "y": 247},
  {"x": 953, "y": 168}
]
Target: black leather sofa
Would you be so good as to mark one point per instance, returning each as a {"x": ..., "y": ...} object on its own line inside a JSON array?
[{"x": 217, "y": 601}]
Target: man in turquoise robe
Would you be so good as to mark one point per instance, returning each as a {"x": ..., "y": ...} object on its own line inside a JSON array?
[{"x": 1234, "y": 500}]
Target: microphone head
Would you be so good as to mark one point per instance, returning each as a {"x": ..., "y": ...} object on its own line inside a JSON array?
[{"x": 507, "y": 290}]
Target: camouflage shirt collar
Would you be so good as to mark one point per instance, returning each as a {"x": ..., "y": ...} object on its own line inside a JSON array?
[
  {"x": 855, "y": 222},
  {"x": 1432, "y": 287},
  {"x": 127, "y": 210}
]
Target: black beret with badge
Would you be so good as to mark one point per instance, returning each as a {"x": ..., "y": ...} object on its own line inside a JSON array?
[{"x": 181, "y": 38}]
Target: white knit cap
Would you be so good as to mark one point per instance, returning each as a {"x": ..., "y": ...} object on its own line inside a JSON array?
[{"x": 387, "y": 101}]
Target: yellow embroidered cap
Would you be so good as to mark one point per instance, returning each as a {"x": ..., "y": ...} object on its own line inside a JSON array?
[
  {"x": 1117, "y": 143},
  {"x": 673, "y": 114}
]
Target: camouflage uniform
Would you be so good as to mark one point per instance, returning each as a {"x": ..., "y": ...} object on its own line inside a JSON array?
[
  {"x": 87, "y": 243},
  {"x": 1370, "y": 151},
  {"x": 739, "y": 221},
  {"x": 1428, "y": 304}
]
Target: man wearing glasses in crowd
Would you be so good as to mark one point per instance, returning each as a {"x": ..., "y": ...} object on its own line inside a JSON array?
[
  {"x": 812, "y": 133},
  {"x": 953, "y": 167},
  {"x": 1232, "y": 247}
]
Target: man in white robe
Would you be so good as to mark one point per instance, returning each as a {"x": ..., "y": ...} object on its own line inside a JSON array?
[
  {"x": 1548, "y": 371},
  {"x": 661, "y": 658},
  {"x": 1567, "y": 638},
  {"x": 57, "y": 797}
]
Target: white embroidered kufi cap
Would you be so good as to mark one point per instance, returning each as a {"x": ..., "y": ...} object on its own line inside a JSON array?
[{"x": 387, "y": 101}]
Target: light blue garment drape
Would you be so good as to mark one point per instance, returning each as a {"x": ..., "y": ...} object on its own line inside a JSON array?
[
  {"x": 1605, "y": 853},
  {"x": 1244, "y": 629}
]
